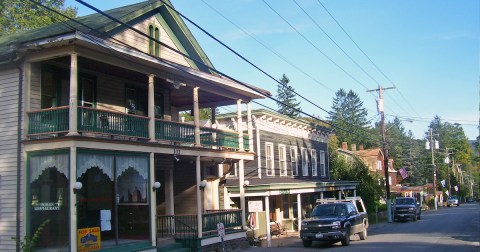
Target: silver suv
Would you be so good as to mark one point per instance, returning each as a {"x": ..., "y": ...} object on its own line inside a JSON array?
[{"x": 453, "y": 200}]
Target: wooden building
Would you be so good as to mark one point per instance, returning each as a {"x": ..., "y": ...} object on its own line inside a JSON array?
[{"x": 90, "y": 123}]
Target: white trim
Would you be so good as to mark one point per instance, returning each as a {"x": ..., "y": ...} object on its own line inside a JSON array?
[
  {"x": 282, "y": 162},
  {"x": 269, "y": 159},
  {"x": 294, "y": 160},
  {"x": 304, "y": 154},
  {"x": 313, "y": 155}
]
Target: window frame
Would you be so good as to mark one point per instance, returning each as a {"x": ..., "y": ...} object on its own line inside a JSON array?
[
  {"x": 323, "y": 170},
  {"x": 294, "y": 160},
  {"x": 305, "y": 162},
  {"x": 282, "y": 163},
  {"x": 269, "y": 159},
  {"x": 314, "y": 162}
]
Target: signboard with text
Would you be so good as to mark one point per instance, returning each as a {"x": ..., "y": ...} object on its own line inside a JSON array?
[
  {"x": 255, "y": 206},
  {"x": 88, "y": 239}
]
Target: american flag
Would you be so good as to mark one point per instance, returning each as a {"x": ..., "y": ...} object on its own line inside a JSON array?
[{"x": 404, "y": 173}]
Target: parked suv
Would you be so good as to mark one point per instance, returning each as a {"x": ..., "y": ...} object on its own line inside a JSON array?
[
  {"x": 335, "y": 220},
  {"x": 453, "y": 200},
  {"x": 407, "y": 208}
]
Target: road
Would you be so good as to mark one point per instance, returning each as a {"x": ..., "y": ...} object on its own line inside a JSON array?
[{"x": 448, "y": 229}]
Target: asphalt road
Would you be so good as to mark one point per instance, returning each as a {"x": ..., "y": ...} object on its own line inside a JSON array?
[{"x": 448, "y": 229}]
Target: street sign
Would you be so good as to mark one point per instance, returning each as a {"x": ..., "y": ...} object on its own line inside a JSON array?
[
  {"x": 255, "y": 206},
  {"x": 221, "y": 230}
]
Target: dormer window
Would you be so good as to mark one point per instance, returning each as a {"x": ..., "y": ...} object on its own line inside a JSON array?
[{"x": 153, "y": 46}]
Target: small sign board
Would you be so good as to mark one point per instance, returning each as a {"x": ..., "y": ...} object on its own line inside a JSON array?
[
  {"x": 88, "y": 239},
  {"x": 255, "y": 206},
  {"x": 221, "y": 230}
]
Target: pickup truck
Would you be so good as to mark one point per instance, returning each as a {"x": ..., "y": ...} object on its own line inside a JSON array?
[
  {"x": 407, "y": 208},
  {"x": 335, "y": 220}
]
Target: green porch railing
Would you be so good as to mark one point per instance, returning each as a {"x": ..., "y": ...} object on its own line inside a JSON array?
[
  {"x": 173, "y": 131},
  {"x": 95, "y": 120},
  {"x": 231, "y": 220},
  {"x": 52, "y": 120},
  {"x": 246, "y": 145}
]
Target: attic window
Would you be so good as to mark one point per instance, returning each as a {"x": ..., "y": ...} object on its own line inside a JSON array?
[{"x": 153, "y": 46}]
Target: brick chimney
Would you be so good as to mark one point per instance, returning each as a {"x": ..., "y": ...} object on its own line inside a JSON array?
[
  {"x": 344, "y": 146},
  {"x": 361, "y": 147},
  {"x": 354, "y": 147}
]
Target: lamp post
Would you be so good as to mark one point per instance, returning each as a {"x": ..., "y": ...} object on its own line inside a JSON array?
[
  {"x": 430, "y": 145},
  {"x": 447, "y": 161}
]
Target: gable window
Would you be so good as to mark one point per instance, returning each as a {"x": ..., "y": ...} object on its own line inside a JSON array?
[
  {"x": 269, "y": 162},
  {"x": 294, "y": 160},
  {"x": 153, "y": 46},
  {"x": 313, "y": 154},
  {"x": 304, "y": 161},
  {"x": 282, "y": 159},
  {"x": 323, "y": 170}
]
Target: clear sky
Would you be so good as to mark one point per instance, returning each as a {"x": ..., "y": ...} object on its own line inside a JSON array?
[{"x": 428, "y": 49}]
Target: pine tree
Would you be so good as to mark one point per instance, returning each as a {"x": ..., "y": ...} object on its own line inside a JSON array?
[
  {"x": 349, "y": 114},
  {"x": 288, "y": 104}
]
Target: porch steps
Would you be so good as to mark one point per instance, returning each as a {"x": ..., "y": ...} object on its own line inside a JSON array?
[{"x": 169, "y": 245}]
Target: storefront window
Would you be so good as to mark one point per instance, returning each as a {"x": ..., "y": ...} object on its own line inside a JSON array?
[{"x": 49, "y": 201}]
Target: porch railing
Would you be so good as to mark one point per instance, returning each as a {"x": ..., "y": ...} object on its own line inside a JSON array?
[
  {"x": 52, "y": 120},
  {"x": 186, "y": 227},
  {"x": 95, "y": 120}
]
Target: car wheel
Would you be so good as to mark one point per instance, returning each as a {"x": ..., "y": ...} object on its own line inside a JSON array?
[
  {"x": 363, "y": 234},
  {"x": 346, "y": 239},
  {"x": 306, "y": 243}
]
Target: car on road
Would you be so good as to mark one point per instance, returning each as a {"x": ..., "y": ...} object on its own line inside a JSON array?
[
  {"x": 335, "y": 220},
  {"x": 453, "y": 200},
  {"x": 407, "y": 208}
]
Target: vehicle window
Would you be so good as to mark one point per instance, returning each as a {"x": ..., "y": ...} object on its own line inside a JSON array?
[
  {"x": 404, "y": 201},
  {"x": 332, "y": 210}
]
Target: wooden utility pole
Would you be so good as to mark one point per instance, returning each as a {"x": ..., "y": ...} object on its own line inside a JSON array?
[{"x": 385, "y": 149}]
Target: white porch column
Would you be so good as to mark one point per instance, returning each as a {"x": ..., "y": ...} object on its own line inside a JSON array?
[
  {"x": 151, "y": 107},
  {"x": 169, "y": 197},
  {"x": 267, "y": 220},
  {"x": 339, "y": 194},
  {"x": 321, "y": 195},
  {"x": 199, "y": 198},
  {"x": 239, "y": 125},
  {"x": 299, "y": 211},
  {"x": 354, "y": 192},
  {"x": 249, "y": 127},
  {"x": 73, "y": 101},
  {"x": 153, "y": 198},
  {"x": 73, "y": 198},
  {"x": 226, "y": 199},
  {"x": 196, "y": 116},
  {"x": 241, "y": 183}
]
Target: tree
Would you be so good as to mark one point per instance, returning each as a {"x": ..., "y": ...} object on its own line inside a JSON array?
[
  {"x": 350, "y": 117},
  {"x": 288, "y": 104},
  {"x": 21, "y": 15}
]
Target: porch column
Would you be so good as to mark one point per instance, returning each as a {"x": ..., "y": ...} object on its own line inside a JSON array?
[
  {"x": 196, "y": 116},
  {"x": 169, "y": 197},
  {"x": 151, "y": 107},
  {"x": 73, "y": 198},
  {"x": 299, "y": 211},
  {"x": 73, "y": 104},
  {"x": 241, "y": 181},
  {"x": 249, "y": 127},
  {"x": 267, "y": 220},
  {"x": 340, "y": 194},
  {"x": 354, "y": 192},
  {"x": 321, "y": 195},
  {"x": 214, "y": 116},
  {"x": 239, "y": 125},
  {"x": 153, "y": 202},
  {"x": 199, "y": 198}
]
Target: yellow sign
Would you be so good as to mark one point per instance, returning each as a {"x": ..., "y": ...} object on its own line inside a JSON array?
[{"x": 88, "y": 239}]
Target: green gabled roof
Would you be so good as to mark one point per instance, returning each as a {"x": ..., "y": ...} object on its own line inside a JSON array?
[{"x": 127, "y": 14}]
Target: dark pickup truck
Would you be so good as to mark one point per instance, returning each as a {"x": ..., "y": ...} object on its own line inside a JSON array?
[
  {"x": 407, "y": 208},
  {"x": 335, "y": 220}
]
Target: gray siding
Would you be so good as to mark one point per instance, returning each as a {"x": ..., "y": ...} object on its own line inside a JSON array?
[
  {"x": 276, "y": 139},
  {"x": 8, "y": 157}
]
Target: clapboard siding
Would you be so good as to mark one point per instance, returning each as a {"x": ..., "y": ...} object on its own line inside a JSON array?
[
  {"x": 141, "y": 42},
  {"x": 288, "y": 141},
  {"x": 35, "y": 78},
  {"x": 9, "y": 86},
  {"x": 185, "y": 188}
]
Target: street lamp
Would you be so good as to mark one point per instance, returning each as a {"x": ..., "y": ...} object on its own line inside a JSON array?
[
  {"x": 447, "y": 161},
  {"x": 430, "y": 145}
]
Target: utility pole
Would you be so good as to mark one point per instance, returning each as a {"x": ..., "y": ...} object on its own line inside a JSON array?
[
  {"x": 433, "y": 144},
  {"x": 385, "y": 149}
]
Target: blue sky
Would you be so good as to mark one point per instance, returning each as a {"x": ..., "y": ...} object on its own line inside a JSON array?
[{"x": 428, "y": 49}]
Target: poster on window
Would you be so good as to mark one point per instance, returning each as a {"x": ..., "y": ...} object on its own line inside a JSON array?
[{"x": 88, "y": 239}]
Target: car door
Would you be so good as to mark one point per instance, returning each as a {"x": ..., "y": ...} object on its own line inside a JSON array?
[{"x": 355, "y": 219}]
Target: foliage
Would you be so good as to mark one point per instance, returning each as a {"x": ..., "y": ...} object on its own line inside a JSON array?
[
  {"x": 28, "y": 244},
  {"x": 288, "y": 104},
  {"x": 368, "y": 188},
  {"x": 21, "y": 15},
  {"x": 205, "y": 114},
  {"x": 349, "y": 115}
]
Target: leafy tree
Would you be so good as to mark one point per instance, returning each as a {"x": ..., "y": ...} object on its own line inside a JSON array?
[
  {"x": 21, "y": 15},
  {"x": 349, "y": 114},
  {"x": 205, "y": 114},
  {"x": 289, "y": 105}
]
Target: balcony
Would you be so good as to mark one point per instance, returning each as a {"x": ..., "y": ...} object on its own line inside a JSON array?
[{"x": 47, "y": 123}]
